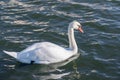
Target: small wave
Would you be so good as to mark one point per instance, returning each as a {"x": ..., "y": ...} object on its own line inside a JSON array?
[{"x": 103, "y": 60}]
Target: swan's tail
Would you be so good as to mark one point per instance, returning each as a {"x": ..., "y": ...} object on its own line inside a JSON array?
[{"x": 13, "y": 54}]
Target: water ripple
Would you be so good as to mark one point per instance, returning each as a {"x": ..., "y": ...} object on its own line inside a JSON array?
[{"x": 24, "y": 22}]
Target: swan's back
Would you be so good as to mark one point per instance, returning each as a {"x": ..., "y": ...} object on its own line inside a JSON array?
[{"x": 44, "y": 53}]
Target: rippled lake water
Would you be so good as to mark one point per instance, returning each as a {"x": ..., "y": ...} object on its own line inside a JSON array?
[{"x": 24, "y": 22}]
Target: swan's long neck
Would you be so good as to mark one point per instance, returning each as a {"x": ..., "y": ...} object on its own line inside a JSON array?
[{"x": 72, "y": 42}]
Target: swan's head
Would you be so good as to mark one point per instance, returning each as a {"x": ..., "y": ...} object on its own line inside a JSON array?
[{"x": 76, "y": 25}]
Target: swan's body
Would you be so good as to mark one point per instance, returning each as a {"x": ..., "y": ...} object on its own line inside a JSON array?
[{"x": 47, "y": 52}]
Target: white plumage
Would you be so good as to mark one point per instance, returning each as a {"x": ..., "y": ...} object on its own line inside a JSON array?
[{"x": 47, "y": 52}]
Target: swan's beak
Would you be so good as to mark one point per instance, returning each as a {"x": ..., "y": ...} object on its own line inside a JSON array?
[{"x": 81, "y": 30}]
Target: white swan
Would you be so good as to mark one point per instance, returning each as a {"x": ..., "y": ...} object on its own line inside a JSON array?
[{"x": 47, "y": 52}]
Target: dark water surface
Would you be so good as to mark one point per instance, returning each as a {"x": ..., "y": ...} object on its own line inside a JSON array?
[{"x": 24, "y": 22}]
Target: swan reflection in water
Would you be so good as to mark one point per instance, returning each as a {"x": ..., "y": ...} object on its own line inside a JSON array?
[{"x": 51, "y": 71}]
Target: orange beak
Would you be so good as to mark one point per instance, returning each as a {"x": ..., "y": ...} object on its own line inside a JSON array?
[{"x": 80, "y": 29}]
